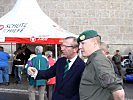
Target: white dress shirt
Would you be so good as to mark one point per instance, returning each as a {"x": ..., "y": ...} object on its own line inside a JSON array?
[{"x": 72, "y": 61}]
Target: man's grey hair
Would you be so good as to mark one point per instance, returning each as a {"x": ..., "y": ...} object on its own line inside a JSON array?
[
  {"x": 74, "y": 43},
  {"x": 39, "y": 49}
]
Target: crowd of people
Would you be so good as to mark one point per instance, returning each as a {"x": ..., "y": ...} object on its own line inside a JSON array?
[{"x": 70, "y": 77}]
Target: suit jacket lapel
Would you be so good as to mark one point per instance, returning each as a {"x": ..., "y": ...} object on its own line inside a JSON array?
[
  {"x": 70, "y": 71},
  {"x": 61, "y": 68}
]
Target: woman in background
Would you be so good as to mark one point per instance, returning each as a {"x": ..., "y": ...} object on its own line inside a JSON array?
[{"x": 51, "y": 82}]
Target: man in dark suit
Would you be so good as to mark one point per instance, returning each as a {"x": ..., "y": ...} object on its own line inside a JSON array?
[{"x": 67, "y": 82}]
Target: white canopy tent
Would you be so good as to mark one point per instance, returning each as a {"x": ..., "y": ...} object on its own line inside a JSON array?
[{"x": 27, "y": 23}]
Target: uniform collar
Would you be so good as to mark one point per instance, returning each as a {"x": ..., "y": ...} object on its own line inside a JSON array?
[{"x": 92, "y": 55}]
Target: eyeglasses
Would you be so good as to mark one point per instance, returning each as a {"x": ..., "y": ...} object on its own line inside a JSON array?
[{"x": 66, "y": 46}]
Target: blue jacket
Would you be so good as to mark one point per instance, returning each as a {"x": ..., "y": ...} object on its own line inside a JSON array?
[
  {"x": 67, "y": 88},
  {"x": 4, "y": 59}
]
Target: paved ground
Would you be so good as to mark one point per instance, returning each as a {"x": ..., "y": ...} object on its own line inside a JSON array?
[
  {"x": 14, "y": 96},
  {"x": 13, "y": 87},
  {"x": 23, "y": 88}
]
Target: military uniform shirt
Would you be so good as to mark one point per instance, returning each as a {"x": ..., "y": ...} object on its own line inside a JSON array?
[{"x": 99, "y": 79}]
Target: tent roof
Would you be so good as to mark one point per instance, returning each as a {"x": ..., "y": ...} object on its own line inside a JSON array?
[{"x": 27, "y": 23}]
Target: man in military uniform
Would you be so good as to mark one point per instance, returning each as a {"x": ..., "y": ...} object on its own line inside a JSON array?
[
  {"x": 99, "y": 81},
  {"x": 117, "y": 58}
]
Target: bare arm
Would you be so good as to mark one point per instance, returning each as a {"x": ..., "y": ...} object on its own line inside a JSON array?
[{"x": 119, "y": 95}]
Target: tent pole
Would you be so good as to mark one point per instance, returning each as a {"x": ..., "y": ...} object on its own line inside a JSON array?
[
  {"x": 56, "y": 53},
  {"x": 11, "y": 50}
]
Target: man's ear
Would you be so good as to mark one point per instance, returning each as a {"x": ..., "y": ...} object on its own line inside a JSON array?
[
  {"x": 76, "y": 50},
  {"x": 95, "y": 41}
]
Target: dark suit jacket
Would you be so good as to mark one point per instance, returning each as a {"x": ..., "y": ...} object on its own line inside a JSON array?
[{"x": 67, "y": 88}]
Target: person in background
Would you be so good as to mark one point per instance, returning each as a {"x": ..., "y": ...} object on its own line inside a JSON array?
[
  {"x": 40, "y": 62},
  {"x": 117, "y": 58},
  {"x": 4, "y": 57},
  {"x": 130, "y": 57},
  {"x": 14, "y": 58},
  {"x": 52, "y": 81},
  {"x": 27, "y": 52},
  {"x": 105, "y": 51},
  {"x": 19, "y": 59},
  {"x": 98, "y": 81},
  {"x": 108, "y": 55},
  {"x": 104, "y": 47},
  {"x": 67, "y": 69}
]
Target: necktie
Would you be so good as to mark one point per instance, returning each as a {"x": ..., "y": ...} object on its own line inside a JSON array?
[{"x": 66, "y": 68}]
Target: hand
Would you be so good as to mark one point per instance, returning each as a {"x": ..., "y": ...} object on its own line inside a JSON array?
[
  {"x": 119, "y": 95},
  {"x": 32, "y": 71}
]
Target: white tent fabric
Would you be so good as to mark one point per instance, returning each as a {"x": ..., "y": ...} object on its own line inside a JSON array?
[{"x": 27, "y": 23}]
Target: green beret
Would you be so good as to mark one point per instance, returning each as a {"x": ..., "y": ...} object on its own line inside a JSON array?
[{"x": 87, "y": 35}]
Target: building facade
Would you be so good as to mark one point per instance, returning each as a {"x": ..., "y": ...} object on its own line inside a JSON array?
[{"x": 113, "y": 19}]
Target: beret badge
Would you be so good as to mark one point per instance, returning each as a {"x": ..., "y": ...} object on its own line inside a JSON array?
[{"x": 82, "y": 37}]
